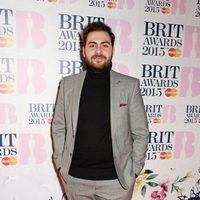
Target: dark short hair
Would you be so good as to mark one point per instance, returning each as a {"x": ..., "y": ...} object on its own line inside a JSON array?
[{"x": 96, "y": 26}]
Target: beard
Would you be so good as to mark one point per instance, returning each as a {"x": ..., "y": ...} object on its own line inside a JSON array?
[{"x": 97, "y": 67}]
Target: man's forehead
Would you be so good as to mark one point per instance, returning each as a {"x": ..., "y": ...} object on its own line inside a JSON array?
[{"x": 98, "y": 36}]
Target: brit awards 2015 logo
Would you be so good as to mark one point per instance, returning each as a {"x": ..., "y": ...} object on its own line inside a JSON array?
[
  {"x": 8, "y": 149},
  {"x": 160, "y": 145},
  {"x": 192, "y": 114},
  {"x": 158, "y": 6},
  {"x": 70, "y": 26},
  {"x": 162, "y": 39},
  {"x": 40, "y": 113},
  {"x": 7, "y": 76},
  {"x": 160, "y": 114},
  {"x": 166, "y": 145},
  {"x": 169, "y": 81},
  {"x": 6, "y": 28},
  {"x": 158, "y": 80},
  {"x": 154, "y": 113}
]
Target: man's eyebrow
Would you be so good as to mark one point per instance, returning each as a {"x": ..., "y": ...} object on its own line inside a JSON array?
[
  {"x": 105, "y": 42},
  {"x": 94, "y": 42}
]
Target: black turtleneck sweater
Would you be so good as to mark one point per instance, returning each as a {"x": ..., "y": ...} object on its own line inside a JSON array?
[{"x": 93, "y": 157}]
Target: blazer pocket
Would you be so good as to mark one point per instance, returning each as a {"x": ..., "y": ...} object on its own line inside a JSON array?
[{"x": 123, "y": 107}]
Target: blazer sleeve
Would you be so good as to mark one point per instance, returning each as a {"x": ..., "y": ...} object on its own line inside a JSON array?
[
  {"x": 59, "y": 126},
  {"x": 139, "y": 128}
]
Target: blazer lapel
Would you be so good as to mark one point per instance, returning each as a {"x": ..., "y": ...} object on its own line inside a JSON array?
[
  {"x": 115, "y": 84},
  {"x": 76, "y": 98}
]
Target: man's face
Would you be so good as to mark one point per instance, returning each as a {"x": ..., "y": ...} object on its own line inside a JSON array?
[{"x": 98, "y": 51}]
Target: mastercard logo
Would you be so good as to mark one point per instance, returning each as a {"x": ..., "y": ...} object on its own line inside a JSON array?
[
  {"x": 165, "y": 10},
  {"x": 9, "y": 161},
  {"x": 171, "y": 92},
  {"x": 165, "y": 155},
  {"x": 7, "y": 88},
  {"x": 174, "y": 52},
  {"x": 156, "y": 120},
  {"x": 6, "y": 42},
  {"x": 111, "y": 5}
]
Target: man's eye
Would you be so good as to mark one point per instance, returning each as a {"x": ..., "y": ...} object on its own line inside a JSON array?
[
  {"x": 105, "y": 46},
  {"x": 91, "y": 45}
]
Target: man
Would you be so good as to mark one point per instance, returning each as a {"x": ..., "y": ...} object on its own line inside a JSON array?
[{"x": 99, "y": 129}]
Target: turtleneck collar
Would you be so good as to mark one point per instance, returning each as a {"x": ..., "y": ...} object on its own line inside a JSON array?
[{"x": 105, "y": 74}]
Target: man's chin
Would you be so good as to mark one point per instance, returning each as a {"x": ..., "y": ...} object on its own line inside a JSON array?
[{"x": 97, "y": 67}]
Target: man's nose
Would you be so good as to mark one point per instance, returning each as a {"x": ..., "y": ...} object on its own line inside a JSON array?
[{"x": 98, "y": 49}]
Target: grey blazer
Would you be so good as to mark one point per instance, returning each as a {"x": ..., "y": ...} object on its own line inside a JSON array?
[{"x": 129, "y": 128}]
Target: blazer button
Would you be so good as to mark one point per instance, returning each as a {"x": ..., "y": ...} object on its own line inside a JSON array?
[{"x": 71, "y": 154}]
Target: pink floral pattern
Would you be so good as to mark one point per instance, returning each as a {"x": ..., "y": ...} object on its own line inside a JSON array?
[
  {"x": 161, "y": 193},
  {"x": 147, "y": 180}
]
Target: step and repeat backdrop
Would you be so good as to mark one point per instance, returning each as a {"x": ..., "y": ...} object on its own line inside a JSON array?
[{"x": 157, "y": 41}]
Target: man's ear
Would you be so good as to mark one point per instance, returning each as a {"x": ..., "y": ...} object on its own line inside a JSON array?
[{"x": 83, "y": 52}]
